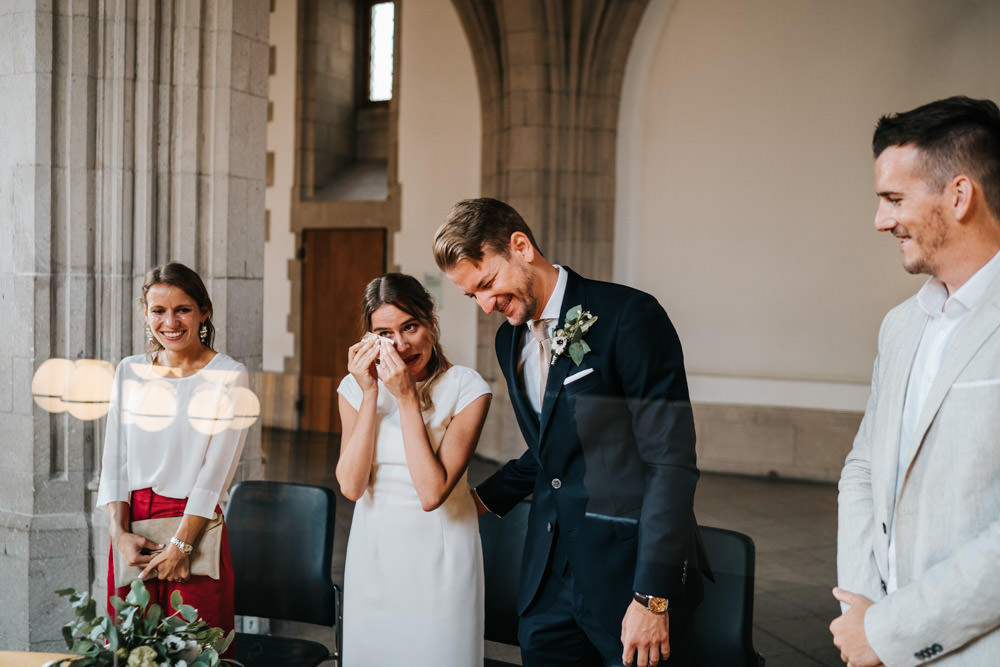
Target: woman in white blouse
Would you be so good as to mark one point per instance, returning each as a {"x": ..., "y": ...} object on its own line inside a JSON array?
[{"x": 172, "y": 446}]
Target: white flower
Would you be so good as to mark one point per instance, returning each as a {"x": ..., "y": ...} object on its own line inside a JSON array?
[
  {"x": 173, "y": 643},
  {"x": 191, "y": 651},
  {"x": 559, "y": 344}
]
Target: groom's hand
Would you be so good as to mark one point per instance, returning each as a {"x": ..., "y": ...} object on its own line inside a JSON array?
[{"x": 645, "y": 636}]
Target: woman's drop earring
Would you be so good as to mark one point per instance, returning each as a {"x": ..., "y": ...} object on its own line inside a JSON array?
[
  {"x": 203, "y": 332},
  {"x": 149, "y": 334}
]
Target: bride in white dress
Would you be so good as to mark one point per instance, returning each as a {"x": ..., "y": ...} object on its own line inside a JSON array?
[{"x": 413, "y": 579}]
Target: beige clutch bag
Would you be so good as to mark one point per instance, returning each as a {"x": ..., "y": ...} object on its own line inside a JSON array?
[{"x": 204, "y": 558}]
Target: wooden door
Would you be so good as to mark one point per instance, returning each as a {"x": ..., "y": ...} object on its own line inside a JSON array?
[{"x": 338, "y": 263}]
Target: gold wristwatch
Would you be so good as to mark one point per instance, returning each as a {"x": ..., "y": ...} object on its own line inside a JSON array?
[{"x": 652, "y": 603}]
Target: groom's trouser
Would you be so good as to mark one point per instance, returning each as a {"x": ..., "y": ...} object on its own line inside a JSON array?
[{"x": 557, "y": 629}]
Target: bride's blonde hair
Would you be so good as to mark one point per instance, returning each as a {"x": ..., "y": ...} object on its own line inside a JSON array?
[{"x": 406, "y": 293}]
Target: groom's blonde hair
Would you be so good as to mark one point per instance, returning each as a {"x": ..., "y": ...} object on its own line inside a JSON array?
[{"x": 474, "y": 226}]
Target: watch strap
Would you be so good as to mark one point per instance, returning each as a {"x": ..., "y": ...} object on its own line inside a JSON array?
[
  {"x": 656, "y": 605},
  {"x": 184, "y": 547}
]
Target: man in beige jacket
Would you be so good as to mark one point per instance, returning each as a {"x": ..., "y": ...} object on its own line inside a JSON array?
[{"x": 918, "y": 553}]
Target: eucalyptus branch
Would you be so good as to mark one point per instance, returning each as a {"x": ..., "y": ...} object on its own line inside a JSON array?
[{"x": 140, "y": 635}]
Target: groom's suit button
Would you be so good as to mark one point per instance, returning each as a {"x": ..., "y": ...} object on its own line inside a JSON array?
[{"x": 556, "y": 483}]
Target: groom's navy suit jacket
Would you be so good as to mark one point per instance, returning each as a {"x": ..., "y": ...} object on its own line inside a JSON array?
[{"x": 610, "y": 461}]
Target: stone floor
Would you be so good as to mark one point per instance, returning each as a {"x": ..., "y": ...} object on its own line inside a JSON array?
[{"x": 793, "y": 525}]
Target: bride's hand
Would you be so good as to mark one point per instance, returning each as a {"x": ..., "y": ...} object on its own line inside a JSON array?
[
  {"x": 361, "y": 359},
  {"x": 393, "y": 372}
]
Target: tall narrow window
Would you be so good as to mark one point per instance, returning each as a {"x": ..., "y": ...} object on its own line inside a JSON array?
[{"x": 381, "y": 30}]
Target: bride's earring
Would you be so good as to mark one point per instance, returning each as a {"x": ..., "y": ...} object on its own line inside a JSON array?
[{"x": 149, "y": 334}]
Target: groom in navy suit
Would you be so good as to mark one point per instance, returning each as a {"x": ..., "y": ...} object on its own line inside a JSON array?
[{"x": 612, "y": 561}]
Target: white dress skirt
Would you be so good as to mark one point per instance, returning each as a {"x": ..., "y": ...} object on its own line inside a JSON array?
[{"x": 413, "y": 580}]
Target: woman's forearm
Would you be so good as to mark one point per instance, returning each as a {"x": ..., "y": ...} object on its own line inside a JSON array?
[
  {"x": 430, "y": 477},
  {"x": 120, "y": 522},
  {"x": 436, "y": 472},
  {"x": 190, "y": 528}
]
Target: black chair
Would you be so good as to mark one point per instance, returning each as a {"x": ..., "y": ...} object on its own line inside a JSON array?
[
  {"x": 503, "y": 543},
  {"x": 723, "y": 622},
  {"x": 281, "y": 538}
]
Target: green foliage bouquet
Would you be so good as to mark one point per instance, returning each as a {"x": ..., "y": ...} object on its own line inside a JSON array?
[{"x": 140, "y": 635}]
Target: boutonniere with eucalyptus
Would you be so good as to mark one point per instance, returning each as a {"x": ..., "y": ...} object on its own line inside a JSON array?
[{"x": 570, "y": 336}]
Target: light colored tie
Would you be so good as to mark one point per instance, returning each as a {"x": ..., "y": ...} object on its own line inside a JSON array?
[{"x": 540, "y": 330}]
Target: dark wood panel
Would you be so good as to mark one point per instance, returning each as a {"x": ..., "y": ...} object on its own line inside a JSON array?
[{"x": 338, "y": 264}]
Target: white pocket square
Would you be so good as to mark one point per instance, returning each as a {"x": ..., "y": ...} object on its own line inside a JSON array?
[
  {"x": 576, "y": 376},
  {"x": 975, "y": 383}
]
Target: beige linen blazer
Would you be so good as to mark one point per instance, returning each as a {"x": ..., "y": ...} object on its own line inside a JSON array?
[{"x": 946, "y": 609}]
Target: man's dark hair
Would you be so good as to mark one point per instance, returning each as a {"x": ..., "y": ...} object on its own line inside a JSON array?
[{"x": 957, "y": 135}]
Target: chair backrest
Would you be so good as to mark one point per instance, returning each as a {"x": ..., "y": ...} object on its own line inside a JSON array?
[
  {"x": 723, "y": 622},
  {"x": 503, "y": 544},
  {"x": 281, "y": 538}
]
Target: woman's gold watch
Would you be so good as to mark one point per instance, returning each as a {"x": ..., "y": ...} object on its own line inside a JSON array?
[
  {"x": 185, "y": 548},
  {"x": 651, "y": 602}
]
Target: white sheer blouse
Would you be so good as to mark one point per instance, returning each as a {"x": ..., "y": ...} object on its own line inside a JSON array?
[{"x": 181, "y": 437}]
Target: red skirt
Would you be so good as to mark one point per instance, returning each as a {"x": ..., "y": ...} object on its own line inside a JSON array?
[{"x": 212, "y": 598}]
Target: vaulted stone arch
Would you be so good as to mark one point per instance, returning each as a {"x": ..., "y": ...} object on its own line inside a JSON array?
[{"x": 550, "y": 75}]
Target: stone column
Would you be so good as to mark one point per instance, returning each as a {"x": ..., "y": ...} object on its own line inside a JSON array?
[
  {"x": 550, "y": 74},
  {"x": 134, "y": 135}
]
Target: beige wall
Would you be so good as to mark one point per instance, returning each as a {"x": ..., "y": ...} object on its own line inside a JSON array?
[
  {"x": 439, "y": 153},
  {"x": 746, "y": 172},
  {"x": 744, "y": 196}
]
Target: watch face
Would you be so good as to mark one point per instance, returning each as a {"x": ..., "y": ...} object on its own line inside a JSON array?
[{"x": 657, "y": 605}]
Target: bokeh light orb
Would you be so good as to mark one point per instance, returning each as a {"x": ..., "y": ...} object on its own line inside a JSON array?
[
  {"x": 50, "y": 382},
  {"x": 89, "y": 391},
  {"x": 152, "y": 406},
  {"x": 246, "y": 408},
  {"x": 210, "y": 410}
]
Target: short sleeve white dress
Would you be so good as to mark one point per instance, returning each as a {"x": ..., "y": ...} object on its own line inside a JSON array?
[{"x": 413, "y": 580}]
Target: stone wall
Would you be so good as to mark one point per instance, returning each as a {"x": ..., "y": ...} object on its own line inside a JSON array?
[
  {"x": 328, "y": 117},
  {"x": 134, "y": 135},
  {"x": 372, "y": 137}
]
